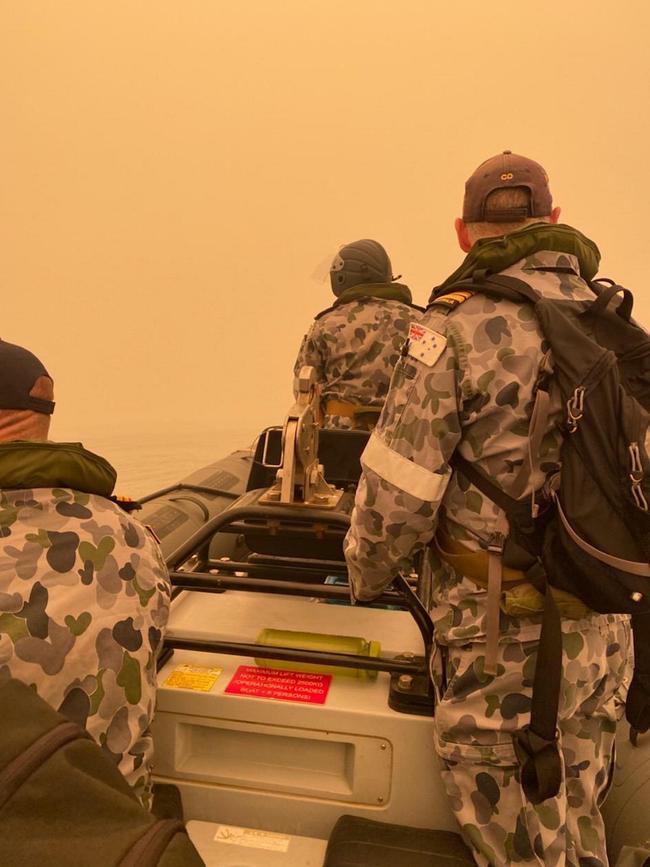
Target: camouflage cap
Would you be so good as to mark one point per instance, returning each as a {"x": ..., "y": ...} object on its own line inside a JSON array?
[
  {"x": 506, "y": 170},
  {"x": 19, "y": 371}
]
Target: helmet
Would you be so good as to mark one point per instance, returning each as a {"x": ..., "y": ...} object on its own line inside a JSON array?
[{"x": 363, "y": 261}]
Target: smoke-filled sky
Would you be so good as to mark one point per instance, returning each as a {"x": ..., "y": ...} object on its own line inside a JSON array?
[{"x": 174, "y": 172}]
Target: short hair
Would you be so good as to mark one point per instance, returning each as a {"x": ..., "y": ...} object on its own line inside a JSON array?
[{"x": 507, "y": 197}]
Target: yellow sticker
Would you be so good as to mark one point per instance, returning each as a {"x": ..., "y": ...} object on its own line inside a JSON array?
[{"x": 195, "y": 677}]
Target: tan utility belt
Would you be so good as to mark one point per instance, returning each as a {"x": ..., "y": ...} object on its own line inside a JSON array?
[
  {"x": 349, "y": 410},
  {"x": 519, "y": 597}
]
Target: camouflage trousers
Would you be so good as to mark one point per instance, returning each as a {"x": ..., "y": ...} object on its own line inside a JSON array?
[{"x": 475, "y": 720}]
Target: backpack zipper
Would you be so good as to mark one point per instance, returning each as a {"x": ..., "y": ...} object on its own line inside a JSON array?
[
  {"x": 24, "y": 765},
  {"x": 147, "y": 851}
]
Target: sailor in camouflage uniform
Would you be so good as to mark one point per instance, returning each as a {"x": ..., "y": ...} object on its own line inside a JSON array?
[
  {"x": 355, "y": 344},
  {"x": 465, "y": 382},
  {"x": 84, "y": 592}
]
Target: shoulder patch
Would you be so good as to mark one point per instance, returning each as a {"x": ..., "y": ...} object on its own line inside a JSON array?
[
  {"x": 451, "y": 300},
  {"x": 424, "y": 344}
]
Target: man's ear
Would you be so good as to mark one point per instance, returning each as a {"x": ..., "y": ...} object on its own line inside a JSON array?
[
  {"x": 555, "y": 215},
  {"x": 463, "y": 235}
]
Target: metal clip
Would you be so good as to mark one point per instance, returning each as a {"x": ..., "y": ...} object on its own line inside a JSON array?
[
  {"x": 639, "y": 497},
  {"x": 575, "y": 408},
  {"x": 637, "y": 476},
  {"x": 636, "y": 467}
]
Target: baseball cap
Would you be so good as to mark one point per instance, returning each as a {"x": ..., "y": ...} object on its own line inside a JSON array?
[
  {"x": 19, "y": 370},
  {"x": 506, "y": 170}
]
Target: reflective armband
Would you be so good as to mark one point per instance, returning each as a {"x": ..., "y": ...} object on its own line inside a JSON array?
[{"x": 402, "y": 473}]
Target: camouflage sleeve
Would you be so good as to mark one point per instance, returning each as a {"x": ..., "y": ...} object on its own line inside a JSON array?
[
  {"x": 309, "y": 353},
  {"x": 405, "y": 467}
]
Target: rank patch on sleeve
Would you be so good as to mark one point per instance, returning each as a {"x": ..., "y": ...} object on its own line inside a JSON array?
[{"x": 425, "y": 345}]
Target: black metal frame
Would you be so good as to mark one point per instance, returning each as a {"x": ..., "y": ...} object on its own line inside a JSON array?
[{"x": 233, "y": 520}]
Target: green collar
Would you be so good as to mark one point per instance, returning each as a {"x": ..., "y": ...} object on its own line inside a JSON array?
[
  {"x": 30, "y": 464},
  {"x": 383, "y": 291},
  {"x": 497, "y": 254}
]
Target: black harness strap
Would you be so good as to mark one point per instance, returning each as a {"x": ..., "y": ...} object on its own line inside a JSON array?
[
  {"x": 536, "y": 744},
  {"x": 517, "y": 289},
  {"x": 605, "y": 296},
  {"x": 517, "y": 511}
]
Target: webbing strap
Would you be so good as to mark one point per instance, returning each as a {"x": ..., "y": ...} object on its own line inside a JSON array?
[
  {"x": 495, "y": 574},
  {"x": 510, "y": 284},
  {"x": 536, "y": 433},
  {"x": 536, "y": 744},
  {"x": 605, "y": 296},
  {"x": 634, "y": 567},
  {"x": 506, "y": 503}
]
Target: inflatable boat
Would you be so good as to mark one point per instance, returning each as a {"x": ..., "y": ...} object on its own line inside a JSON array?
[{"x": 297, "y": 728}]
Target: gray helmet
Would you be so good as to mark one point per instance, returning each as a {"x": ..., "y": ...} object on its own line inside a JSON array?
[{"x": 360, "y": 262}]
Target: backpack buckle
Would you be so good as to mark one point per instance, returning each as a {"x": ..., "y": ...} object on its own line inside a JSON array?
[{"x": 494, "y": 544}]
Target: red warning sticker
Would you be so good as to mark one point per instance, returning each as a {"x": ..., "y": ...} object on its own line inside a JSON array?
[{"x": 279, "y": 684}]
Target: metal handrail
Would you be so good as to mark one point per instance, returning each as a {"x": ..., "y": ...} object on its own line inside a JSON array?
[
  {"x": 217, "y": 583},
  {"x": 406, "y": 598},
  {"x": 291, "y": 654},
  {"x": 279, "y": 570},
  {"x": 237, "y": 514}
]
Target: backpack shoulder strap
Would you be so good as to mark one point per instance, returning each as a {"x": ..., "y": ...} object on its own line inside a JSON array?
[
  {"x": 606, "y": 289},
  {"x": 481, "y": 281},
  {"x": 517, "y": 511},
  {"x": 505, "y": 286}
]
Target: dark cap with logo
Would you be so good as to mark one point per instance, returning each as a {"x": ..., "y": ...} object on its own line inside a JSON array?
[
  {"x": 19, "y": 370},
  {"x": 507, "y": 170}
]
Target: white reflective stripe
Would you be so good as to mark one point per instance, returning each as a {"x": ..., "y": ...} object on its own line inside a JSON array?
[{"x": 404, "y": 474}]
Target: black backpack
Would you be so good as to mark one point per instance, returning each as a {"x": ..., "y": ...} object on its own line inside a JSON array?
[{"x": 587, "y": 531}]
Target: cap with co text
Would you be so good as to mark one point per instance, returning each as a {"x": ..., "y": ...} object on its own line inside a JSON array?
[
  {"x": 507, "y": 170},
  {"x": 19, "y": 371}
]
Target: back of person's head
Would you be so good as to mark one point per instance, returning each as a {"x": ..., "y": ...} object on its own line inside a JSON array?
[
  {"x": 363, "y": 261},
  {"x": 504, "y": 194},
  {"x": 26, "y": 395}
]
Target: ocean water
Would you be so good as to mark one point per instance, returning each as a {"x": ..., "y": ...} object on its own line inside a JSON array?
[{"x": 152, "y": 459}]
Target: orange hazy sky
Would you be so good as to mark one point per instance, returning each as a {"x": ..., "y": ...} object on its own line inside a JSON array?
[{"x": 174, "y": 172}]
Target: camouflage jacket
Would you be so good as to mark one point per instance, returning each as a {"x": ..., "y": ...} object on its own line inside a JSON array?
[
  {"x": 472, "y": 390},
  {"x": 354, "y": 347},
  {"x": 84, "y": 600}
]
